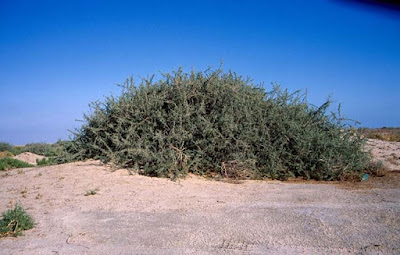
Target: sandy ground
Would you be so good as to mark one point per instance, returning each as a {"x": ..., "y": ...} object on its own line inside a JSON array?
[
  {"x": 388, "y": 152},
  {"x": 132, "y": 214},
  {"x": 29, "y": 157}
]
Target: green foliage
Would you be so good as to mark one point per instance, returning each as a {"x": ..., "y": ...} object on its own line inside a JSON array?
[
  {"x": 15, "y": 221},
  {"x": 10, "y": 163},
  {"x": 218, "y": 123},
  {"x": 67, "y": 153},
  {"x": 46, "y": 161},
  {"x": 6, "y": 147},
  {"x": 45, "y": 149}
]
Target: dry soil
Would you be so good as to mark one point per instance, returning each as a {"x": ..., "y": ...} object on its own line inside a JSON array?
[
  {"x": 132, "y": 214},
  {"x": 29, "y": 157}
]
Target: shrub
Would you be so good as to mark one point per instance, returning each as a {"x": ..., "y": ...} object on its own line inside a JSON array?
[
  {"x": 46, "y": 161},
  {"x": 6, "y": 147},
  {"x": 10, "y": 163},
  {"x": 44, "y": 149},
  {"x": 66, "y": 152},
  {"x": 15, "y": 221},
  {"x": 377, "y": 168},
  {"x": 6, "y": 154},
  {"x": 384, "y": 134},
  {"x": 391, "y": 137},
  {"x": 218, "y": 123}
]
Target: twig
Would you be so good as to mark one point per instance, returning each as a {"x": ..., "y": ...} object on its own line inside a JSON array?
[
  {"x": 67, "y": 241},
  {"x": 223, "y": 167},
  {"x": 70, "y": 236}
]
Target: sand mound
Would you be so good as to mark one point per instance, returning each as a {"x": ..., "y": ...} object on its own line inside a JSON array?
[
  {"x": 388, "y": 152},
  {"x": 29, "y": 157}
]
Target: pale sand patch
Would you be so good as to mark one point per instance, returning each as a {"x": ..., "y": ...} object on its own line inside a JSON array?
[
  {"x": 132, "y": 214},
  {"x": 29, "y": 157},
  {"x": 388, "y": 152}
]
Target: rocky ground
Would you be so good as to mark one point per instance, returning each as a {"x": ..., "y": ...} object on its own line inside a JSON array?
[{"x": 132, "y": 214}]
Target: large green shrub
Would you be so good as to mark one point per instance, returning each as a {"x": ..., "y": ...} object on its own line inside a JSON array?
[{"x": 215, "y": 122}]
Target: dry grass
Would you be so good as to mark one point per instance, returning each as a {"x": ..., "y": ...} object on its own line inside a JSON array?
[
  {"x": 6, "y": 154},
  {"x": 384, "y": 134},
  {"x": 391, "y": 180},
  {"x": 91, "y": 192}
]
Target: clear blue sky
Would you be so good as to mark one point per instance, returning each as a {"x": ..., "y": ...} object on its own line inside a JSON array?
[{"x": 58, "y": 56}]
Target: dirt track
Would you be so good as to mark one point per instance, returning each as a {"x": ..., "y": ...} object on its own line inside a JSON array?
[{"x": 142, "y": 215}]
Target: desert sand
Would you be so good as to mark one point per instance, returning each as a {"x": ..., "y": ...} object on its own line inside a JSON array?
[
  {"x": 133, "y": 214},
  {"x": 387, "y": 152},
  {"x": 29, "y": 157}
]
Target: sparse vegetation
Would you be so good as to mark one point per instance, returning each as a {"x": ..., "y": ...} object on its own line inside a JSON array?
[
  {"x": 384, "y": 134},
  {"x": 51, "y": 151},
  {"x": 218, "y": 123},
  {"x": 91, "y": 192},
  {"x": 6, "y": 154},
  {"x": 46, "y": 161},
  {"x": 10, "y": 163},
  {"x": 6, "y": 147},
  {"x": 377, "y": 168},
  {"x": 15, "y": 221},
  {"x": 45, "y": 149},
  {"x": 24, "y": 192}
]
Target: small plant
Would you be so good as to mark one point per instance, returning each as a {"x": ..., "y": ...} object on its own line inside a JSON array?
[
  {"x": 24, "y": 193},
  {"x": 377, "y": 169},
  {"x": 91, "y": 192},
  {"x": 38, "y": 175},
  {"x": 14, "y": 221},
  {"x": 45, "y": 162},
  {"x": 10, "y": 163}
]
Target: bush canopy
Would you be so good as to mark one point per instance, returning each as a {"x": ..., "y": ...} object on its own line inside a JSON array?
[{"x": 218, "y": 123}]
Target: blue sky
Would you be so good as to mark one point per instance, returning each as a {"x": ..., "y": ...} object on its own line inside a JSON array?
[{"x": 58, "y": 56}]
